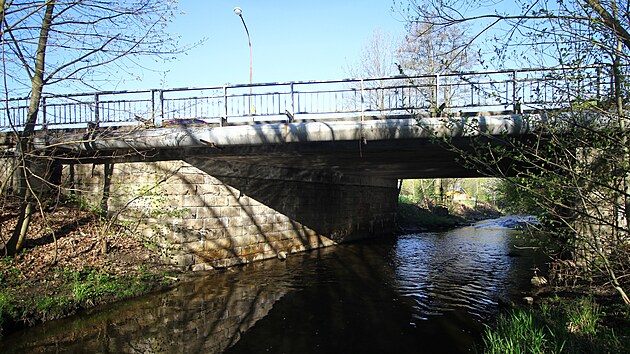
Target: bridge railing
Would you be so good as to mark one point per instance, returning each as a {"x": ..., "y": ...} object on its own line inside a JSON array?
[{"x": 515, "y": 91}]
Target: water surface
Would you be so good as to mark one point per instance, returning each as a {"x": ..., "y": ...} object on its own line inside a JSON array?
[{"x": 417, "y": 293}]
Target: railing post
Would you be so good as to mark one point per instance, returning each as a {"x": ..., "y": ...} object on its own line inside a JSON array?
[
  {"x": 362, "y": 102},
  {"x": 44, "y": 122},
  {"x": 153, "y": 109},
  {"x": 161, "y": 99},
  {"x": 437, "y": 95},
  {"x": 292, "y": 101},
  {"x": 96, "y": 109},
  {"x": 225, "y": 107},
  {"x": 516, "y": 105}
]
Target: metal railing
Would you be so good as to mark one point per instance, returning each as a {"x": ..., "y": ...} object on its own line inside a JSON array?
[{"x": 515, "y": 91}]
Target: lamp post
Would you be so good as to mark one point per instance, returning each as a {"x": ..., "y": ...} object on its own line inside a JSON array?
[{"x": 239, "y": 13}]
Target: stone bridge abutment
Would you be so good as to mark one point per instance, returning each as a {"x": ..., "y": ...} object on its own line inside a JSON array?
[{"x": 205, "y": 214}]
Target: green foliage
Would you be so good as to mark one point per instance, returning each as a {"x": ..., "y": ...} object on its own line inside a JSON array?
[
  {"x": 517, "y": 332},
  {"x": 51, "y": 307},
  {"x": 8, "y": 271},
  {"x": 84, "y": 203},
  {"x": 411, "y": 214},
  {"x": 405, "y": 199},
  {"x": 513, "y": 199},
  {"x": 150, "y": 201},
  {"x": 73, "y": 290},
  {"x": 433, "y": 191},
  {"x": 554, "y": 327},
  {"x": 91, "y": 285},
  {"x": 7, "y": 307}
]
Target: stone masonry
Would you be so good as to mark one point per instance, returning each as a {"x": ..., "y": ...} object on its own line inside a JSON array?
[{"x": 207, "y": 214}]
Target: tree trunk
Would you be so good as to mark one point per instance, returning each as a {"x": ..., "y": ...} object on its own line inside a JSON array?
[
  {"x": 24, "y": 189},
  {"x": 2, "y": 5}
]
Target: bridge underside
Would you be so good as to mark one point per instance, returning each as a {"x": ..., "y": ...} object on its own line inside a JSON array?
[{"x": 398, "y": 159}]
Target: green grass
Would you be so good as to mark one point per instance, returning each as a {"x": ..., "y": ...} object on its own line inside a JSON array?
[
  {"x": 74, "y": 290},
  {"x": 90, "y": 285},
  {"x": 411, "y": 215},
  {"x": 519, "y": 332},
  {"x": 7, "y": 307},
  {"x": 557, "y": 326},
  {"x": 52, "y": 307}
]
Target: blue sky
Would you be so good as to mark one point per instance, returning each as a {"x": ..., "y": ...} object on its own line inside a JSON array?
[{"x": 291, "y": 40}]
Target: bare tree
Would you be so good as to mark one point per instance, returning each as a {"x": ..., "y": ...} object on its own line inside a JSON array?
[
  {"x": 576, "y": 170},
  {"x": 431, "y": 51},
  {"x": 377, "y": 60},
  {"x": 428, "y": 49},
  {"x": 53, "y": 44}
]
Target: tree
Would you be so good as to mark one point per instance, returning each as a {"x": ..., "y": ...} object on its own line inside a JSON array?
[
  {"x": 51, "y": 44},
  {"x": 428, "y": 49},
  {"x": 377, "y": 60},
  {"x": 576, "y": 170}
]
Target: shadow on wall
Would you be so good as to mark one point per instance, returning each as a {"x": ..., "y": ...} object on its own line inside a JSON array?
[
  {"x": 207, "y": 214},
  {"x": 293, "y": 210}
]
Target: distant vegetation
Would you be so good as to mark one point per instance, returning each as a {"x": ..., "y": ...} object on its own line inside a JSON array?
[{"x": 445, "y": 203}]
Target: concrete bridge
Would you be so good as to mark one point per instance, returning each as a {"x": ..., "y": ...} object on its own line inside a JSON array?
[{"x": 226, "y": 175}]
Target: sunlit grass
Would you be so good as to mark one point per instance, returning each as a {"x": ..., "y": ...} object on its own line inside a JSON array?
[
  {"x": 517, "y": 332},
  {"x": 409, "y": 213},
  {"x": 557, "y": 326}
]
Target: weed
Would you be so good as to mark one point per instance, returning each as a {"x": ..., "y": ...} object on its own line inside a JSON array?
[
  {"x": 51, "y": 307},
  {"x": 7, "y": 308},
  {"x": 583, "y": 316},
  {"x": 517, "y": 332},
  {"x": 555, "y": 326}
]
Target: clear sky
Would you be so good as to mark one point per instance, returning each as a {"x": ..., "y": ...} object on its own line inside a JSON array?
[{"x": 292, "y": 40}]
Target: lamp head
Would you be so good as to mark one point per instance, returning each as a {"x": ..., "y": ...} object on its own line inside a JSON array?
[{"x": 238, "y": 11}]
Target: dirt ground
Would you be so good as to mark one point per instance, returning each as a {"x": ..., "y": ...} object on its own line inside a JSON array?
[
  {"x": 67, "y": 245},
  {"x": 70, "y": 240}
]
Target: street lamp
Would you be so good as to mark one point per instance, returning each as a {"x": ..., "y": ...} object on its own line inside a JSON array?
[{"x": 239, "y": 13}]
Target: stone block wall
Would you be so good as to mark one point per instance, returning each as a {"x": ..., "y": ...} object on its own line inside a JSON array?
[
  {"x": 206, "y": 214},
  {"x": 7, "y": 165},
  {"x": 41, "y": 169}
]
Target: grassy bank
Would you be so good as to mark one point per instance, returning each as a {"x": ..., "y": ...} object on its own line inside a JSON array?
[
  {"x": 66, "y": 291},
  {"x": 412, "y": 217},
  {"x": 54, "y": 277},
  {"x": 561, "y": 325}
]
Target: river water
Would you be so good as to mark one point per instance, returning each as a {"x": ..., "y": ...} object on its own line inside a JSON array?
[{"x": 428, "y": 292}]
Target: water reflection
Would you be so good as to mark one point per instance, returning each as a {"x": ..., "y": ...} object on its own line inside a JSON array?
[{"x": 427, "y": 292}]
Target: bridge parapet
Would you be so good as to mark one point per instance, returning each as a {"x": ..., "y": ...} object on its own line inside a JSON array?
[{"x": 469, "y": 93}]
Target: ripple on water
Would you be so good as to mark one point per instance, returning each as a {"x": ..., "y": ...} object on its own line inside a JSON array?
[{"x": 464, "y": 269}]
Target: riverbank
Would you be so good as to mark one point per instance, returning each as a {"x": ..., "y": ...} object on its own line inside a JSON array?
[
  {"x": 51, "y": 280},
  {"x": 412, "y": 217},
  {"x": 576, "y": 320},
  {"x": 579, "y": 317},
  {"x": 77, "y": 268}
]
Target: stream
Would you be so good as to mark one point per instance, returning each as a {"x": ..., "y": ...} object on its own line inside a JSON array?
[{"x": 428, "y": 292}]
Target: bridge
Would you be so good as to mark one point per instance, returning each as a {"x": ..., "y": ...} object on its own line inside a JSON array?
[
  {"x": 231, "y": 174},
  {"x": 382, "y": 120}
]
